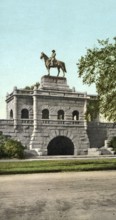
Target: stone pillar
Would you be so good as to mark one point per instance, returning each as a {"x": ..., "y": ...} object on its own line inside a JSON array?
[
  {"x": 85, "y": 109},
  {"x": 35, "y": 108},
  {"x": 7, "y": 112},
  {"x": 15, "y": 108},
  {"x": 85, "y": 104}
]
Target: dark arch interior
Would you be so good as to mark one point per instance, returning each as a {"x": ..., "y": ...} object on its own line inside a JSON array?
[
  {"x": 60, "y": 146},
  {"x": 25, "y": 113},
  {"x": 75, "y": 115},
  {"x": 45, "y": 114},
  {"x": 61, "y": 114},
  {"x": 11, "y": 113}
]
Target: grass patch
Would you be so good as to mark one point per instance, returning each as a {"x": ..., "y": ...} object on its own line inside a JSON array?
[{"x": 20, "y": 167}]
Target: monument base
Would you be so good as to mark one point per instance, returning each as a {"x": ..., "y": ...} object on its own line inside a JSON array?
[{"x": 54, "y": 83}]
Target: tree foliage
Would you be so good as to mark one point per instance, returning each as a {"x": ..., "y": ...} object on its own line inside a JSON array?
[
  {"x": 99, "y": 66},
  {"x": 92, "y": 110}
]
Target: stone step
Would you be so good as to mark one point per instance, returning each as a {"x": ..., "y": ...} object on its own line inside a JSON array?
[
  {"x": 106, "y": 151},
  {"x": 93, "y": 152}
]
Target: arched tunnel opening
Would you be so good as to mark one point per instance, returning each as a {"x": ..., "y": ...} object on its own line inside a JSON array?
[{"x": 60, "y": 145}]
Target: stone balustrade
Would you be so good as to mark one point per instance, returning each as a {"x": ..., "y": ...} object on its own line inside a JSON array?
[
  {"x": 57, "y": 122},
  {"x": 52, "y": 122},
  {"x": 61, "y": 122},
  {"x": 50, "y": 93},
  {"x": 101, "y": 124},
  {"x": 43, "y": 122},
  {"x": 6, "y": 122},
  {"x": 25, "y": 122}
]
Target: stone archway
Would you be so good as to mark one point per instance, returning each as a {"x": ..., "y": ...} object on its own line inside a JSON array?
[{"x": 60, "y": 145}]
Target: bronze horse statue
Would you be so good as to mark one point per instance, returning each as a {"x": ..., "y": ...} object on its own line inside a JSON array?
[{"x": 57, "y": 64}]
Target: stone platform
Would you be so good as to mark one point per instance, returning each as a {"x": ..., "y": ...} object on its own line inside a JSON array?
[{"x": 54, "y": 83}]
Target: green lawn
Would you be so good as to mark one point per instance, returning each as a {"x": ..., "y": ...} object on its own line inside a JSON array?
[{"x": 18, "y": 167}]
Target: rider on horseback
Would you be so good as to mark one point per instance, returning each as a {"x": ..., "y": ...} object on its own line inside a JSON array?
[
  {"x": 52, "y": 62},
  {"x": 53, "y": 57}
]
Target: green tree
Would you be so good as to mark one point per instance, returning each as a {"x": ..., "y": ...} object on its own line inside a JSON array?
[
  {"x": 99, "y": 66},
  {"x": 92, "y": 110}
]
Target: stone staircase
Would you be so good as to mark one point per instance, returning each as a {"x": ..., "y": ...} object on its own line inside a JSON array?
[{"x": 106, "y": 151}]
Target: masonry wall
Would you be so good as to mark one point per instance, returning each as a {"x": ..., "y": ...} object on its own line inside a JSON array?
[
  {"x": 25, "y": 102},
  {"x": 22, "y": 133},
  {"x": 53, "y": 104},
  {"x": 10, "y": 106},
  {"x": 45, "y": 133},
  {"x": 99, "y": 132}
]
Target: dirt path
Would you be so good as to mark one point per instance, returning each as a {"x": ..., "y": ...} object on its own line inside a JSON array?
[{"x": 59, "y": 196}]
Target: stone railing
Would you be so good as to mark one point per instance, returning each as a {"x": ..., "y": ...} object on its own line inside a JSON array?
[
  {"x": 25, "y": 122},
  {"x": 51, "y": 122},
  {"x": 44, "y": 122},
  {"x": 62, "y": 93},
  {"x": 20, "y": 92},
  {"x": 62, "y": 122},
  {"x": 24, "y": 92},
  {"x": 6, "y": 122},
  {"x": 102, "y": 124}
]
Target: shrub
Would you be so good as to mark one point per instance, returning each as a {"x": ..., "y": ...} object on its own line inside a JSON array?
[
  {"x": 14, "y": 149},
  {"x": 112, "y": 144},
  {"x": 2, "y": 151},
  {"x": 10, "y": 148},
  {"x": 3, "y": 138},
  {"x": 2, "y": 141}
]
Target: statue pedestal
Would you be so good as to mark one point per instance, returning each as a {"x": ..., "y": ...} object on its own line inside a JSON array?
[{"x": 54, "y": 83}]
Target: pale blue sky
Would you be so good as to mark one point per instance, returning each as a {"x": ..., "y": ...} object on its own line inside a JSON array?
[{"x": 28, "y": 27}]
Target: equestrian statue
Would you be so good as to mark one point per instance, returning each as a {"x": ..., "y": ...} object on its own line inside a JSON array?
[{"x": 53, "y": 63}]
